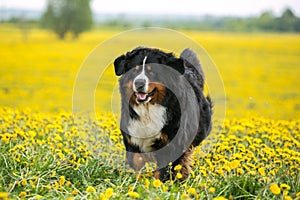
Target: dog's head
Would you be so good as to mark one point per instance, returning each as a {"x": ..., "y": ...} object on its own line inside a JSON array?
[{"x": 143, "y": 74}]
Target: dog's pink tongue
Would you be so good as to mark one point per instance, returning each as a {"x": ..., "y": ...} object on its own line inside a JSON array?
[{"x": 141, "y": 96}]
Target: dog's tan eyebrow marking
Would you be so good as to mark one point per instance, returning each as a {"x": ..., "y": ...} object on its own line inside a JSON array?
[
  {"x": 149, "y": 67},
  {"x": 137, "y": 67}
]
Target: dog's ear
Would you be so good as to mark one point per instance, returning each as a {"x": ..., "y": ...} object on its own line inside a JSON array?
[
  {"x": 119, "y": 64},
  {"x": 177, "y": 64}
]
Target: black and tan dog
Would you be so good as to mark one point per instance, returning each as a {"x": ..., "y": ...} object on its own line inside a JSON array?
[{"x": 164, "y": 111}]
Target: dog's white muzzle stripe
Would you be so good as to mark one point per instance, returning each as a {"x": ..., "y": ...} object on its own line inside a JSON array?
[{"x": 142, "y": 76}]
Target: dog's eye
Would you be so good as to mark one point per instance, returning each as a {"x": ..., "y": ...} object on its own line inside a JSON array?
[{"x": 149, "y": 70}]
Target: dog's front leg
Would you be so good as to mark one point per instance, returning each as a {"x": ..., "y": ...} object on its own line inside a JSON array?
[
  {"x": 134, "y": 157},
  {"x": 136, "y": 160}
]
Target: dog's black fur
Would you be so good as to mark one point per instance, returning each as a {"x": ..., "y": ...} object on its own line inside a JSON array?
[{"x": 187, "y": 67}]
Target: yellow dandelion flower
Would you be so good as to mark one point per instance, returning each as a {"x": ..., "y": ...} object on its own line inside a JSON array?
[
  {"x": 48, "y": 187},
  {"x": 147, "y": 183},
  {"x": 56, "y": 185},
  {"x": 298, "y": 194},
  {"x": 35, "y": 179},
  {"x": 109, "y": 192},
  {"x": 212, "y": 189},
  {"x": 157, "y": 183},
  {"x": 90, "y": 189},
  {"x": 31, "y": 134},
  {"x": 5, "y": 138},
  {"x": 4, "y": 195},
  {"x": 62, "y": 180},
  {"x": 37, "y": 197},
  {"x": 165, "y": 188},
  {"x": 178, "y": 175},
  {"x": 240, "y": 171},
  {"x": 284, "y": 186},
  {"x": 22, "y": 194},
  {"x": 75, "y": 192},
  {"x": 133, "y": 194},
  {"x": 57, "y": 137},
  {"x": 177, "y": 167},
  {"x": 130, "y": 188},
  {"x": 253, "y": 173},
  {"x": 102, "y": 196},
  {"x": 220, "y": 198},
  {"x": 234, "y": 164},
  {"x": 68, "y": 183},
  {"x": 262, "y": 171},
  {"x": 24, "y": 182},
  {"x": 275, "y": 189},
  {"x": 287, "y": 197},
  {"x": 192, "y": 191},
  {"x": 185, "y": 196},
  {"x": 61, "y": 155},
  {"x": 193, "y": 174},
  {"x": 76, "y": 166},
  {"x": 272, "y": 172},
  {"x": 24, "y": 163},
  {"x": 53, "y": 174},
  {"x": 32, "y": 184}
]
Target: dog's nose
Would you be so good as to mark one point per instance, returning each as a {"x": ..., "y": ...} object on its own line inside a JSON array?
[{"x": 139, "y": 84}]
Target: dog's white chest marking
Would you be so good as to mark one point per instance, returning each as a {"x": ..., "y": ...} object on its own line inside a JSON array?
[{"x": 147, "y": 129}]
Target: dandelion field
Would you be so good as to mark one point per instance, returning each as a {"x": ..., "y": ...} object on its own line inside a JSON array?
[{"x": 48, "y": 153}]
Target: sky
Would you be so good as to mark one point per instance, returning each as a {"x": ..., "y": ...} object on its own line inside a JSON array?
[{"x": 184, "y": 7}]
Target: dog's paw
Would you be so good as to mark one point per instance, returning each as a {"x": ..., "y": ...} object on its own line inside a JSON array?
[{"x": 139, "y": 161}]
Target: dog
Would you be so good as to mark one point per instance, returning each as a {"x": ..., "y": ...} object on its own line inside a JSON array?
[{"x": 164, "y": 112}]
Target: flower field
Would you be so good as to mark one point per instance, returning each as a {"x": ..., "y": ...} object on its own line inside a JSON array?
[
  {"x": 46, "y": 152},
  {"x": 59, "y": 156}
]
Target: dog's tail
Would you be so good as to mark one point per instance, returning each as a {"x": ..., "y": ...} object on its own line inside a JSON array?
[{"x": 190, "y": 56}]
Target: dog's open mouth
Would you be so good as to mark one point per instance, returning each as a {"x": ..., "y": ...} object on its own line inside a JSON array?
[{"x": 144, "y": 97}]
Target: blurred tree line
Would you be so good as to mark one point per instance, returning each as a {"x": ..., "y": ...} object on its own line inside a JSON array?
[
  {"x": 287, "y": 22},
  {"x": 266, "y": 22},
  {"x": 75, "y": 17}
]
